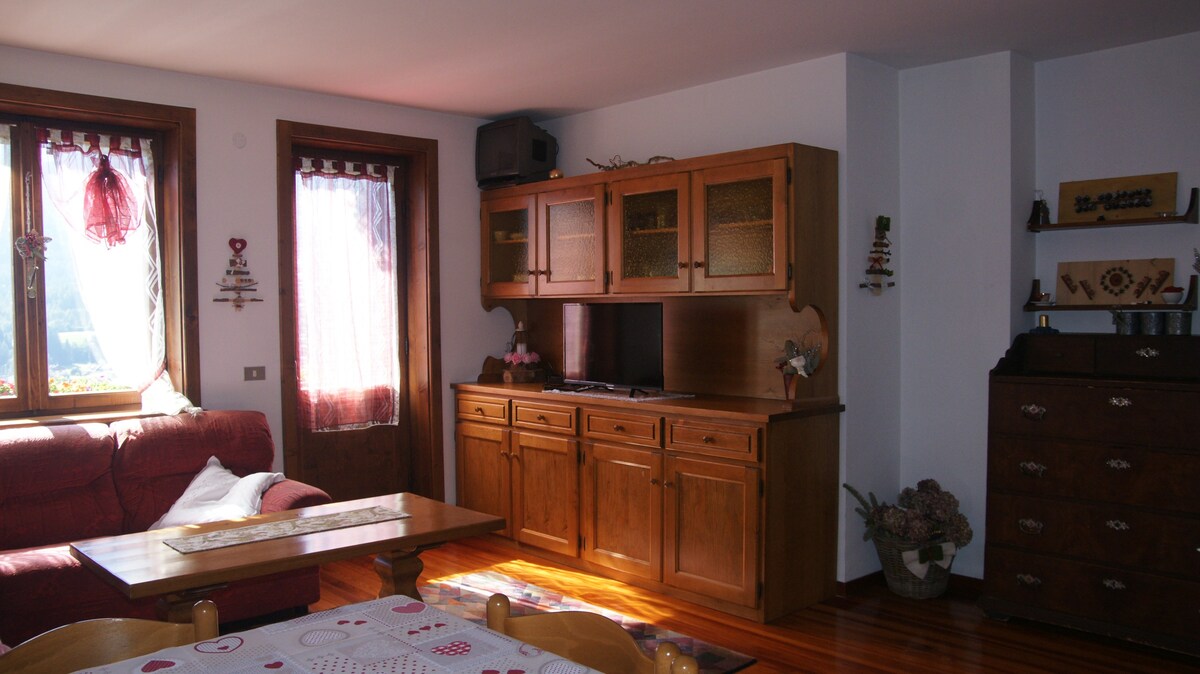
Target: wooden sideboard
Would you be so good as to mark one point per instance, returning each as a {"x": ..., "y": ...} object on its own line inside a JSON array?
[
  {"x": 726, "y": 502},
  {"x": 1093, "y": 515}
]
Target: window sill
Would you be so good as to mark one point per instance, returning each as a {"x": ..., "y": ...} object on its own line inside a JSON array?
[{"x": 76, "y": 418}]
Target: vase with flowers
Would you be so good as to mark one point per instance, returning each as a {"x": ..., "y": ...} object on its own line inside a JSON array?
[
  {"x": 522, "y": 367},
  {"x": 917, "y": 538}
]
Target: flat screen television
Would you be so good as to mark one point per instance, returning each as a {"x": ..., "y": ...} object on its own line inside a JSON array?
[
  {"x": 613, "y": 345},
  {"x": 513, "y": 151}
]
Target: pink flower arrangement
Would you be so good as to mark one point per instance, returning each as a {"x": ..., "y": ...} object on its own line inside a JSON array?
[{"x": 517, "y": 360}]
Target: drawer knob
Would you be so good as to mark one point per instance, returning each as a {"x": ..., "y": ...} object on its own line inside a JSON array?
[
  {"x": 654, "y": 481},
  {"x": 1030, "y": 526},
  {"x": 1118, "y": 464},
  {"x": 1117, "y": 525},
  {"x": 1113, "y": 584},
  {"x": 1032, "y": 469},
  {"x": 1147, "y": 353},
  {"x": 1033, "y": 412},
  {"x": 1120, "y": 401},
  {"x": 541, "y": 417},
  {"x": 618, "y": 428},
  {"x": 478, "y": 410},
  {"x": 708, "y": 439},
  {"x": 1028, "y": 580}
]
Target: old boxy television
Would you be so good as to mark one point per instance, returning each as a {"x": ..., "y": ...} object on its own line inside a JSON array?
[
  {"x": 613, "y": 345},
  {"x": 513, "y": 151}
]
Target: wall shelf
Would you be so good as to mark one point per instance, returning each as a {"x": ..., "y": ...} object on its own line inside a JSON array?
[
  {"x": 1192, "y": 215},
  {"x": 1189, "y": 304}
]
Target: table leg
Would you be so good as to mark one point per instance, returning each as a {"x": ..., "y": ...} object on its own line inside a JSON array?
[
  {"x": 399, "y": 570},
  {"x": 177, "y": 606}
]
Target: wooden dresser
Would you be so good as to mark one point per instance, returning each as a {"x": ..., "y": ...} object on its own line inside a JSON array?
[
  {"x": 726, "y": 502},
  {"x": 1093, "y": 507}
]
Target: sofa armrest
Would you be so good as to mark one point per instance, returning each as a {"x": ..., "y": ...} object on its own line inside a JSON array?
[{"x": 289, "y": 494}]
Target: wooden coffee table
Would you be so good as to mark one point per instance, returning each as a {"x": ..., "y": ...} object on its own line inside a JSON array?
[{"x": 142, "y": 565}]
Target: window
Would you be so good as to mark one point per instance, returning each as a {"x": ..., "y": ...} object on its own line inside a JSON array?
[{"x": 97, "y": 242}]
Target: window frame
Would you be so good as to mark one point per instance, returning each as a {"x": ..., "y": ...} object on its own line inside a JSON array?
[{"x": 175, "y": 159}]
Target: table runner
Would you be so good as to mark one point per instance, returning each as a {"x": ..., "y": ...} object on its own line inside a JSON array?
[
  {"x": 282, "y": 529},
  {"x": 393, "y": 634}
]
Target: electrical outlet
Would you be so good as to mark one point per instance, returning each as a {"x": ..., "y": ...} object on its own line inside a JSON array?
[{"x": 255, "y": 373}]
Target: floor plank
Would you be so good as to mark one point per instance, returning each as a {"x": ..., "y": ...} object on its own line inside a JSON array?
[{"x": 871, "y": 631}]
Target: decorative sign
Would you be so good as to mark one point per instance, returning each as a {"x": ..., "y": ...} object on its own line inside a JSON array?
[
  {"x": 1115, "y": 199},
  {"x": 237, "y": 278},
  {"x": 1112, "y": 282}
]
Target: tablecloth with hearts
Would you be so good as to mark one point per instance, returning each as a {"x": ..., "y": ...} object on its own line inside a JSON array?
[{"x": 392, "y": 635}]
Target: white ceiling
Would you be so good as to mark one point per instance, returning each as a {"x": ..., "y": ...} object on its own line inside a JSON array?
[{"x": 547, "y": 58}]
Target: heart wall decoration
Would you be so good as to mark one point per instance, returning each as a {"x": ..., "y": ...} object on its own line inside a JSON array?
[{"x": 237, "y": 287}]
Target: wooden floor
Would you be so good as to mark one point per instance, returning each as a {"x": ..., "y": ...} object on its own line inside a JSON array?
[{"x": 871, "y": 631}]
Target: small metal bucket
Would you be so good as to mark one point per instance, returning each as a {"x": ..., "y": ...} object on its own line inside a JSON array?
[
  {"x": 1127, "y": 323},
  {"x": 1179, "y": 323},
  {"x": 1151, "y": 322}
]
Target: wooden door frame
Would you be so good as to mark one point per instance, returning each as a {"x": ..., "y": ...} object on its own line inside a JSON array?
[{"x": 423, "y": 380}]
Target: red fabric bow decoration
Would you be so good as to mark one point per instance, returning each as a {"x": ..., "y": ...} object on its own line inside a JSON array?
[{"x": 108, "y": 205}]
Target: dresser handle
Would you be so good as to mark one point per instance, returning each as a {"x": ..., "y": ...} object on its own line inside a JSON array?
[
  {"x": 1032, "y": 469},
  {"x": 1117, "y": 525},
  {"x": 708, "y": 439},
  {"x": 1030, "y": 526},
  {"x": 1147, "y": 352},
  {"x": 618, "y": 428},
  {"x": 1034, "y": 412},
  {"x": 1113, "y": 584},
  {"x": 478, "y": 410},
  {"x": 1118, "y": 464},
  {"x": 1028, "y": 580},
  {"x": 1120, "y": 401},
  {"x": 541, "y": 417}
]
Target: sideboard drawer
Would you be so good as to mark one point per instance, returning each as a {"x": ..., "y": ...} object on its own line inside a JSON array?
[
  {"x": 729, "y": 440},
  {"x": 544, "y": 416},
  {"x": 1095, "y": 592},
  {"x": 1119, "y": 535},
  {"x": 1116, "y": 414},
  {"x": 1148, "y": 357},
  {"x": 1061, "y": 354},
  {"x": 482, "y": 408},
  {"x": 634, "y": 429}
]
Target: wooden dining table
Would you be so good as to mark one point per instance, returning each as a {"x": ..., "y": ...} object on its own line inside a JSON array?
[
  {"x": 145, "y": 564},
  {"x": 391, "y": 634}
]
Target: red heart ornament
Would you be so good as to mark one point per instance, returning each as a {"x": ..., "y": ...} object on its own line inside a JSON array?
[
  {"x": 155, "y": 665},
  {"x": 238, "y": 245}
]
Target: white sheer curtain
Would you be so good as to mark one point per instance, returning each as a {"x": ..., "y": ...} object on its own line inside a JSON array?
[
  {"x": 347, "y": 308},
  {"x": 118, "y": 282}
]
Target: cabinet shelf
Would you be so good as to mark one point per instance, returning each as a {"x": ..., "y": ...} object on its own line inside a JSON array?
[
  {"x": 1192, "y": 216},
  {"x": 652, "y": 232},
  {"x": 748, "y": 224},
  {"x": 1188, "y": 304}
]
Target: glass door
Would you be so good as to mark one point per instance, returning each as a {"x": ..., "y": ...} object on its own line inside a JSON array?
[
  {"x": 740, "y": 231},
  {"x": 508, "y": 237},
  {"x": 649, "y": 237},
  {"x": 571, "y": 247}
]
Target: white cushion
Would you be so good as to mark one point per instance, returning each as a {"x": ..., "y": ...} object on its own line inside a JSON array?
[{"x": 217, "y": 494}]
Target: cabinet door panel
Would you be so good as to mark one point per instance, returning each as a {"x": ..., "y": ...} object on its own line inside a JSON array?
[
  {"x": 711, "y": 524},
  {"x": 571, "y": 244},
  {"x": 739, "y": 237},
  {"x": 622, "y": 509},
  {"x": 649, "y": 235},
  {"x": 546, "y": 491},
  {"x": 483, "y": 471},
  {"x": 509, "y": 236}
]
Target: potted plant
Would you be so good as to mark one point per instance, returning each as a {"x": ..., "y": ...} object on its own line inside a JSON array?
[{"x": 917, "y": 538}]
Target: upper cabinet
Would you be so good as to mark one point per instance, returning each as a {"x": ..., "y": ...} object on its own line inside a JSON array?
[{"x": 749, "y": 222}]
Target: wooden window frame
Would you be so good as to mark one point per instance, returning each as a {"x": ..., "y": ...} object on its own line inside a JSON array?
[{"x": 176, "y": 208}]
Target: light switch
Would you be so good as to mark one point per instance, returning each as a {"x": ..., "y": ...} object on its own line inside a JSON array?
[{"x": 255, "y": 373}]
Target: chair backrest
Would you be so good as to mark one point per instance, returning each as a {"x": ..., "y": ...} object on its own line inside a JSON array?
[
  {"x": 92, "y": 643},
  {"x": 587, "y": 638}
]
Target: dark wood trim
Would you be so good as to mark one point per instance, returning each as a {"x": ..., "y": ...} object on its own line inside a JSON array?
[
  {"x": 177, "y": 207},
  {"x": 423, "y": 319}
]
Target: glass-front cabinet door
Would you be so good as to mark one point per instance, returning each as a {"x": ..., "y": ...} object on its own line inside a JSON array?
[
  {"x": 509, "y": 236},
  {"x": 739, "y": 231},
  {"x": 570, "y": 251},
  {"x": 648, "y": 235}
]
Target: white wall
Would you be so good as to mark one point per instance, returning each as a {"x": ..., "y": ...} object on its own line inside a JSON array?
[
  {"x": 1119, "y": 112},
  {"x": 236, "y": 198}
]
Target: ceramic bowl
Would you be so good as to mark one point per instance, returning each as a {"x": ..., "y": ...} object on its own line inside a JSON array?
[{"x": 1173, "y": 297}]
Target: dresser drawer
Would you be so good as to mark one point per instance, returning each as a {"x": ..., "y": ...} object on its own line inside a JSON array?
[
  {"x": 1060, "y": 354},
  {"x": 1103, "y": 532},
  {"x": 1165, "y": 357},
  {"x": 487, "y": 409},
  {"x": 1120, "y": 474},
  {"x": 729, "y": 440},
  {"x": 636, "y": 429},
  {"x": 1141, "y": 415},
  {"x": 1141, "y": 601},
  {"x": 544, "y": 416}
]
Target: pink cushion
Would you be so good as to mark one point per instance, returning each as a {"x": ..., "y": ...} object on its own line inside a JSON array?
[
  {"x": 157, "y": 457},
  {"x": 56, "y": 485}
]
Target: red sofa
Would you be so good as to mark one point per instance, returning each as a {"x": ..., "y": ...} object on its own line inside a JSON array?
[{"x": 60, "y": 484}]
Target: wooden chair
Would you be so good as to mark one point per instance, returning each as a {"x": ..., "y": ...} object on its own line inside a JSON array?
[
  {"x": 587, "y": 638},
  {"x": 92, "y": 643}
]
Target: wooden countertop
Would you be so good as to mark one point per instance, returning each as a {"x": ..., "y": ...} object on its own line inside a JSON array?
[{"x": 723, "y": 407}]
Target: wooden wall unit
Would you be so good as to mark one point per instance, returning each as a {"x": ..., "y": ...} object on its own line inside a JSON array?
[
  {"x": 723, "y": 501},
  {"x": 1093, "y": 462}
]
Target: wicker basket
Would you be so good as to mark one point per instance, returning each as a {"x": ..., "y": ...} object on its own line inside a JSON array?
[{"x": 900, "y": 580}]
